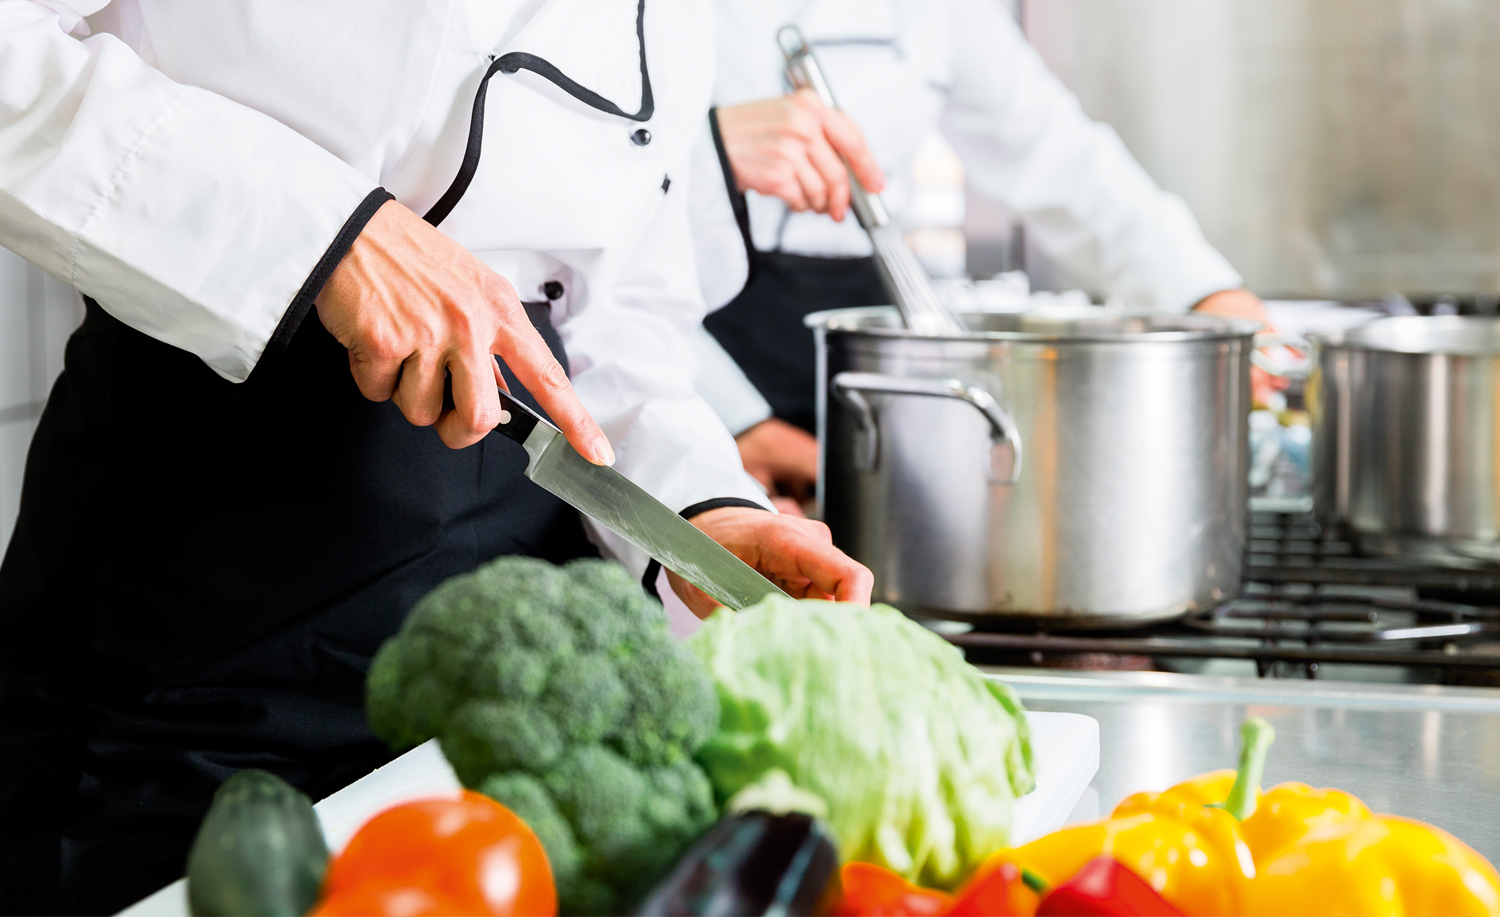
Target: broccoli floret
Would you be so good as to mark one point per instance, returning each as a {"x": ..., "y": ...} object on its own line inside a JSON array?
[
  {"x": 679, "y": 799},
  {"x": 385, "y": 689},
  {"x": 485, "y": 737},
  {"x": 586, "y": 698},
  {"x": 601, "y": 794},
  {"x": 517, "y": 673},
  {"x": 558, "y": 691},
  {"x": 634, "y": 616},
  {"x": 632, "y": 823},
  {"x": 673, "y": 706}
]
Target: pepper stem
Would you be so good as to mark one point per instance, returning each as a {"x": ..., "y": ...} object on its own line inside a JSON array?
[
  {"x": 1034, "y": 881},
  {"x": 1256, "y": 736}
]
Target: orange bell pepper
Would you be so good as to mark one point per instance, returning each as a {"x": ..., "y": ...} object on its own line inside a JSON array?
[{"x": 874, "y": 891}]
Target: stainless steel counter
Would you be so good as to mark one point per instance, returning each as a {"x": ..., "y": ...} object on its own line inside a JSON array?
[{"x": 1421, "y": 751}]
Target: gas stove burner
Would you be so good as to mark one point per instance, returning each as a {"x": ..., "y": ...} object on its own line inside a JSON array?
[{"x": 1307, "y": 601}]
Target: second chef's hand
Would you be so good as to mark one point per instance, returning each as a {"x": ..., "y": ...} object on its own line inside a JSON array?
[
  {"x": 1243, "y": 304},
  {"x": 796, "y": 554},
  {"x": 790, "y": 147},
  {"x": 413, "y": 307}
]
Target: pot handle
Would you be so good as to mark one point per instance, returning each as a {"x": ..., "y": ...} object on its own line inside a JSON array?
[
  {"x": 850, "y": 389},
  {"x": 1298, "y": 370}
]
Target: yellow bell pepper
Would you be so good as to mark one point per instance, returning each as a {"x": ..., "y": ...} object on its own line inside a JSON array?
[
  {"x": 1288, "y": 811},
  {"x": 1378, "y": 865},
  {"x": 1214, "y": 844},
  {"x": 1185, "y": 841},
  {"x": 1322, "y": 852}
]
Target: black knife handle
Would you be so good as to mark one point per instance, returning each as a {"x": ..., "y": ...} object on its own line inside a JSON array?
[{"x": 522, "y": 418}]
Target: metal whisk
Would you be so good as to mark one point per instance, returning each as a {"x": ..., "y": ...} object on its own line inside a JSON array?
[{"x": 904, "y": 278}]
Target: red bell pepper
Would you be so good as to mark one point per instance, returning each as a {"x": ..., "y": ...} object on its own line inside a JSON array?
[
  {"x": 1104, "y": 887},
  {"x": 1005, "y": 891}
]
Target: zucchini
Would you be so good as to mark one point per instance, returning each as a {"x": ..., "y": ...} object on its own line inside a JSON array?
[
  {"x": 752, "y": 863},
  {"x": 260, "y": 851}
]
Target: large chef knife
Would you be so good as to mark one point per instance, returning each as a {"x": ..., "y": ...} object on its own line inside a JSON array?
[{"x": 616, "y": 503}]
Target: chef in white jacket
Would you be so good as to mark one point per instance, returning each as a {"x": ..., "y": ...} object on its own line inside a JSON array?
[
  {"x": 270, "y": 436},
  {"x": 901, "y": 68}
]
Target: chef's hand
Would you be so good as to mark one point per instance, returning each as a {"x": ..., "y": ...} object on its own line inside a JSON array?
[
  {"x": 782, "y": 457},
  {"x": 789, "y": 147},
  {"x": 1235, "y": 304},
  {"x": 414, "y": 307},
  {"x": 1245, "y": 305},
  {"x": 796, "y": 554}
]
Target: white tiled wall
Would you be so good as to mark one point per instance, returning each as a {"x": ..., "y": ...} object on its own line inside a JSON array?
[{"x": 37, "y": 313}]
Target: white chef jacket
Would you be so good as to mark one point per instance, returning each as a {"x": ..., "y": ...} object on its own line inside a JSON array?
[
  {"x": 900, "y": 68},
  {"x": 189, "y": 162}
]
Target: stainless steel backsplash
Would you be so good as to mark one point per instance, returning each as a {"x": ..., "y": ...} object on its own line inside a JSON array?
[{"x": 1330, "y": 148}]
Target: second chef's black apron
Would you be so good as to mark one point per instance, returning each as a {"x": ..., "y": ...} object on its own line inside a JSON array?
[
  {"x": 762, "y": 328},
  {"x": 202, "y": 571}
]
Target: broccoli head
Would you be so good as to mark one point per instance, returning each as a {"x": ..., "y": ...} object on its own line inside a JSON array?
[{"x": 558, "y": 691}]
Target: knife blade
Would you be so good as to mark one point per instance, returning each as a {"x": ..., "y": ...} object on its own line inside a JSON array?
[{"x": 620, "y": 505}]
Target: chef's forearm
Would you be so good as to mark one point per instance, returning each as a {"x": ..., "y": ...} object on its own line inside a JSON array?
[{"x": 190, "y": 217}]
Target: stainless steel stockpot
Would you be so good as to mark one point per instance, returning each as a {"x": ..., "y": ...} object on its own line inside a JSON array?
[
  {"x": 1086, "y": 471},
  {"x": 1406, "y": 436}
]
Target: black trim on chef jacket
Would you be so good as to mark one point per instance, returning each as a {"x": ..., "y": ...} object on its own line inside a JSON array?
[
  {"x": 521, "y": 60},
  {"x": 302, "y": 303},
  {"x": 653, "y": 569}
]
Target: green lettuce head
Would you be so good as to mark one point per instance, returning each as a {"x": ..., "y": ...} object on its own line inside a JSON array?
[{"x": 918, "y": 757}]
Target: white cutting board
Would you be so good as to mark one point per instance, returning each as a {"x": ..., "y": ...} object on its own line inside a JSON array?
[{"x": 1065, "y": 748}]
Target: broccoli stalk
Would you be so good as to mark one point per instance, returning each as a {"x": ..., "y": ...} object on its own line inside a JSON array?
[{"x": 557, "y": 691}]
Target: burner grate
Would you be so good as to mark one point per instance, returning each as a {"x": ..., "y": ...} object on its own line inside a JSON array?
[{"x": 1308, "y": 600}]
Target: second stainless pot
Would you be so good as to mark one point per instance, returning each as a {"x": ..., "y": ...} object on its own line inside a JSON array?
[
  {"x": 1082, "y": 472},
  {"x": 1406, "y": 436}
]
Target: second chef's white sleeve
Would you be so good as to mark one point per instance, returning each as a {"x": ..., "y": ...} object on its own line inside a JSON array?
[
  {"x": 725, "y": 386},
  {"x": 1025, "y": 141},
  {"x": 187, "y": 216},
  {"x": 634, "y": 369}
]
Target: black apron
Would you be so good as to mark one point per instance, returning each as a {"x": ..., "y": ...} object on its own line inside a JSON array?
[
  {"x": 199, "y": 576},
  {"x": 762, "y": 328}
]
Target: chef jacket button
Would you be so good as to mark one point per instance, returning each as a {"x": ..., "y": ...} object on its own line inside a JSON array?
[
  {"x": 552, "y": 289},
  {"x": 641, "y": 137}
]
